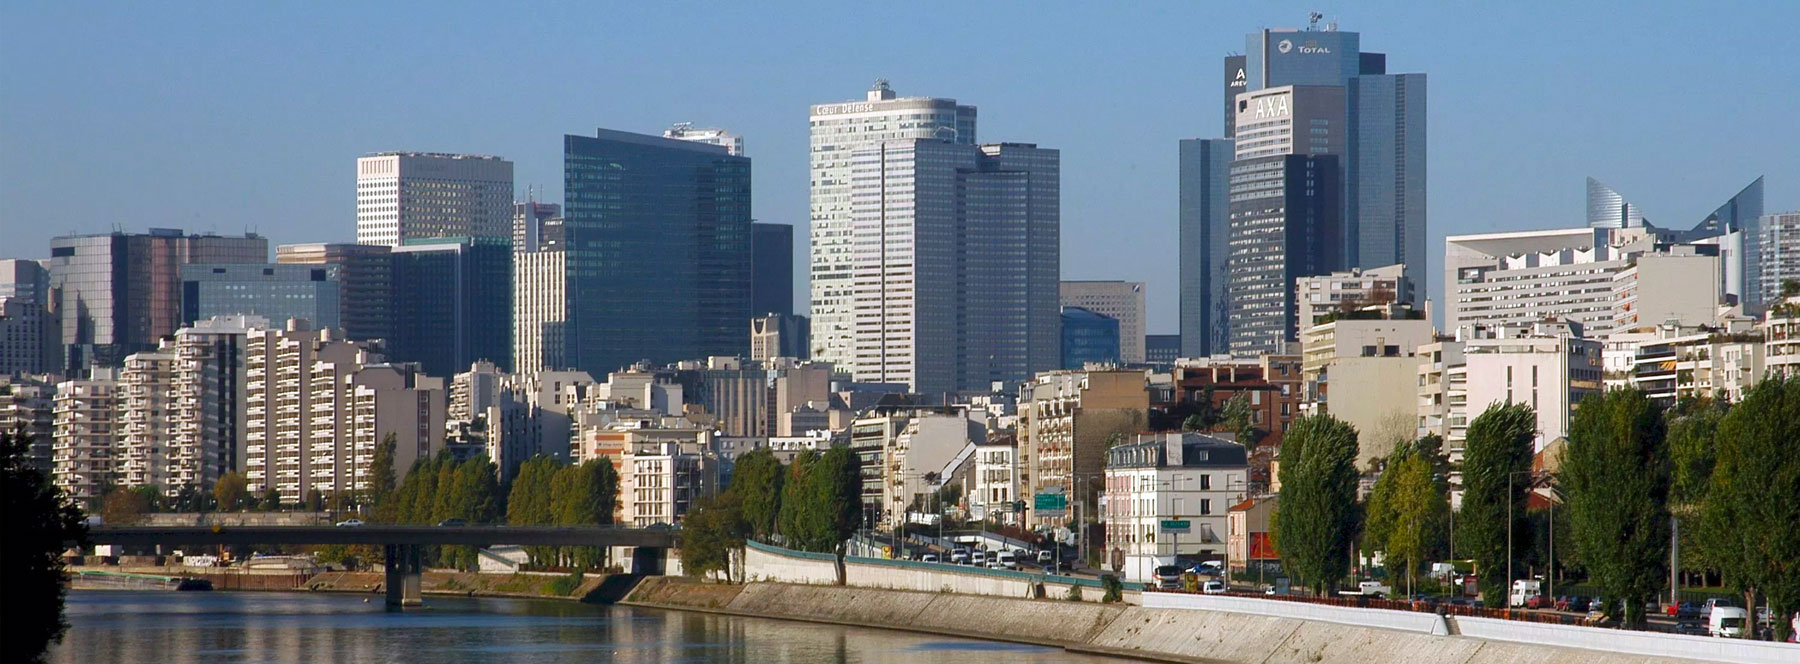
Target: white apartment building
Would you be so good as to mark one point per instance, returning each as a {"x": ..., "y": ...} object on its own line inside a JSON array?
[
  {"x": 402, "y": 196},
  {"x": 996, "y": 480},
  {"x": 1320, "y": 296},
  {"x": 1518, "y": 278},
  {"x": 88, "y": 433},
  {"x": 1778, "y": 254},
  {"x": 1681, "y": 286},
  {"x": 1371, "y": 360},
  {"x": 317, "y": 405},
  {"x": 686, "y": 131},
  {"x": 27, "y": 405},
  {"x": 147, "y": 387},
  {"x": 1121, "y": 300},
  {"x": 540, "y": 310},
  {"x": 1443, "y": 390},
  {"x": 1547, "y": 366},
  {"x": 662, "y": 479},
  {"x": 1683, "y": 362},
  {"x": 1180, "y": 477},
  {"x": 926, "y": 445},
  {"x": 839, "y": 130}
]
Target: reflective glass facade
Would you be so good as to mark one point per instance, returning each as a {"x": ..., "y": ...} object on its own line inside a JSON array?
[
  {"x": 274, "y": 292},
  {"x": 1088, "y": 337},
  {"x": 773, "y": 267},
  {"x": 1285, "y": 224},
  {"x": 454, "y": 304},
  {"x": 659, "y": 250},
  {"x": 1204, "y": 229}
]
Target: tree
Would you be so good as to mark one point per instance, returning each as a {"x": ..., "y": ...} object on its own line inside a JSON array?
[
  {"x": 124, "y": 506},
  {"x": 757, "y": 480},
  {"x": 315, "y": 500},
  {"x": 38, "y": 519},
  {"x": 270, "y": 500},
  {"x": 1615, "y": 472},
  {"x": 583, "y": 496},
  {"x": 1692, "y": 429},
  {"x": 528, "y": 504},
  {"x": 189, "y": 498},
  {"x": 1750, "y": 503},
  {"x": 712, "y": 534},
  {"x": 1378, "y": 513},
  {"x": 230, "y": 491},
  {"x": 381, "y": 470},
  {"x": 795, "y": 520},
  {"x": 1790, "y": 288},
  {"x": 1316, "y": 520},
  {"x": 1238, "y": 416},
  {"x": 1498, "y": 445},
  {"x": 1419, "y": 514}
]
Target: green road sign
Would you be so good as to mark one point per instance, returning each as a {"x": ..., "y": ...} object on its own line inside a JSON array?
[
  {"x": 1050, "y": 501},
  {"x": 1175, "y": 525}
]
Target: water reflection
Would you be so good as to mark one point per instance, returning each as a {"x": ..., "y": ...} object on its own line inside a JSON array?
[{"x": 143, "y": 626}]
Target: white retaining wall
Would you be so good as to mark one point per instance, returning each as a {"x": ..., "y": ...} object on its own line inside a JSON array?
[
  {"x": 1423, "y": 623},
  {"x": 1634, "y": 642},
  {"x": 819, "y": 569}
]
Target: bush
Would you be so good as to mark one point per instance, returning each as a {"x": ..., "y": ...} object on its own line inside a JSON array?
[
  {"x": 1111, "y": 590},
  {"x": 564, "y": 585},
  {"x": 1074, "y": 594}
]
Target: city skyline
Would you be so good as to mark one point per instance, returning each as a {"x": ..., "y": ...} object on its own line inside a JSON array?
[{"x": 1511, "y": 141}]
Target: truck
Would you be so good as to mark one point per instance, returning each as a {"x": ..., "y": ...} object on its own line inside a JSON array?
[
  {"x": 1368, "y": 589},
  {"x": 1523, "y": 590},
  {"x": 1727, "y": 621}
]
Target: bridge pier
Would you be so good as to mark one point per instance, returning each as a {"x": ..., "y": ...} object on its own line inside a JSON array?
[{"x": 404, "y": 563}]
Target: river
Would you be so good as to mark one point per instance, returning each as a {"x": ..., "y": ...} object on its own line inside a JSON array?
[{"x": 282, "y": 628}]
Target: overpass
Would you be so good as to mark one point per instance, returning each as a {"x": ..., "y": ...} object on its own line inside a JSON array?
[{"x": 402, "y": 545}]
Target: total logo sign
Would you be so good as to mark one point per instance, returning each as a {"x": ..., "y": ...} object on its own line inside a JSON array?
[{"x": 1311, "y": 47}]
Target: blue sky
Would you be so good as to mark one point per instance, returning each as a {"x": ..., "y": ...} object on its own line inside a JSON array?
[{"x": 231, "y": 116}]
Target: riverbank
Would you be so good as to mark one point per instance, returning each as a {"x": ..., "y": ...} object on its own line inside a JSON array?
[
  {"x": 1162, "y": 635},
  {"x": 591, "y": 588}
]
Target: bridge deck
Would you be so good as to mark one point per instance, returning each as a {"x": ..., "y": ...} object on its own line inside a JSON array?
[{"x": 382, "y": 534}]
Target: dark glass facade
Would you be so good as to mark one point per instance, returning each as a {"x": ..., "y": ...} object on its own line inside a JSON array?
[
  {"x": 659, "y": 252},
  {"x": 274, "y": 292},
  {"x": 453, "y": 304},
  {"x": 1088, "y": 337},
  {"x": 365, "y": 276},
  {"x": 772, "y": 265},
  {"x": 1285, "y": 224},
  {"x": 1204, "y": 231}
]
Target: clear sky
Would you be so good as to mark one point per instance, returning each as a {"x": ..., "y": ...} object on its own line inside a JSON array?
[{"x": 234, "y": 116}]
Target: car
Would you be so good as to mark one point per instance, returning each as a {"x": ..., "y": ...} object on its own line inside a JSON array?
[
  {"x": 1727, "y": 621},
  {"x": 995, "y": 564},
  {"x": 1578, "y": 604},
  {"x": 1045, "y": 556},
  {"x": 959, "y": 558},
  {"x": 1691, "y": 627},
  {"x": 1007, "y": 560},
  {"x": 978, "y": 558},
  {"x": 453, "y": 522},
  {"x": 1536, "y": 602},
  {"x": 1168, "y": 577},
  {"x": 1689, "y": 612},
  {"x": 1213, "y": 588},
  {"x": 928, "y": 558},
  {"x": 350, "y": 523},
  {"x": 1208, "y": 568}
]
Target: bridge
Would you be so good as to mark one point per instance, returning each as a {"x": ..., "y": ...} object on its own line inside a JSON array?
[{"x": 402, "y": 546}]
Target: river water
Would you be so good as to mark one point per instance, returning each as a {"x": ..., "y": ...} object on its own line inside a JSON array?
[{"x": 282, "y": 628}]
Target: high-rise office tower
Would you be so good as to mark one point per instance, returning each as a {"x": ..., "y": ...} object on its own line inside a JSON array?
[
  {"x": 1120, "y": 300},
  {"x": 1204, "y": 231},
  {"x": 402, "y": 196},
  {"x": 365, "y": 277},
  {"x": 955, "y": 263},
  {"x": 529, "y": 222},
  {"x": 772, "y": 269},
  {"x": 777, "y": 335},
  {"x": 457, "y": 308},
  {"x": 839, "y": 130},
  {"x": 1778, "y": 259},
  {"x": 1377, "y": 128},
  {"x": 1088, "y": 336},
  {"x": 659, "y": 250},
  {"x": 1285, "y": 218},
  {"x": 273, "y": 292},
  {"x": 120, "y": 293},
  {"x": 541, "y": 302},
  {"x": 1606, "y": 208},
  {"x": 686, "y": 131},
  {"x": 29, "y": 342},
  {"x": 1732, "y": 228}
]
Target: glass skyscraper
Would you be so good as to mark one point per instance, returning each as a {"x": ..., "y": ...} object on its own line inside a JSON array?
[
  {"x": 773, "y": 267},
  {"x": 1204, "y": 230},
  {"x": 1088, "y": 337},
  {"x": 273, "y": 292},
  {"x": 453, "y": 304},
  {"x": 659, "y": 250}
]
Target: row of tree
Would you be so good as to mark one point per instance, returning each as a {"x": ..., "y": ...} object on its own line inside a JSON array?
[
  {"x": 813, "y": 504},
  {"x": 549, "y": 492},
  {"x": 1631, "y": 471}
]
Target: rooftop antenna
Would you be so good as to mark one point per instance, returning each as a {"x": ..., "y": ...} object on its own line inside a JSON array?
[{"x": 1312, "y": 20}]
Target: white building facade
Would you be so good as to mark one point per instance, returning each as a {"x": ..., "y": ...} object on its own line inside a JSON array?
[
  {"x": 402, "y": 196},
  {"x": 1172, "y": 477}
]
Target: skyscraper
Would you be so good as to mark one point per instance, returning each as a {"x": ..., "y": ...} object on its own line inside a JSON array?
[
  {"x": 1120, "y": 300},
  {"x": 686, "y": 131},
  {"x": 29, "y": 342},
  {"x": 1205, "y": 229},
  {"x": 955, "y": 263},
  {"x": 772, "y": 269},
  {"x": 273, "y": 292},
  {"x": 457, "y": 304},
  {"x": 1606, "y": 208},
  {"x": 365, "y": 278},
  {"x": 659, "y": 250},
  {"x": 119, "y": 293},
  {"x": 838, "y": 131},
  {"x": 402, "y": 196}
]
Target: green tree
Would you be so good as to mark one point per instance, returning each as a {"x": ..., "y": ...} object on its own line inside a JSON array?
[
  {"x": 528, "y": 503},
  {"x": 757, "y": 480},
  {"x": 315, "y": 500},
  {"x": 1498, "y": 445},
  {"x": 1316, "y": 519},
  {"x": 1420, "y": 512},
  {"x": 712, "y": 534},
  {"x": 190, "y": 499},
  {"x": 38, "y": 519},
  {"x": 230, "y": 491},
  {"x": 381, "y": 472},
  {"x": 795, "y": 519},
  {"x": 1615, "y": 472},
  {"x": 124, "y": 506},
  {"x": 1693, "y": 426},
  {"x": 1379, "y": 511},
  {"x": 584, "y": 495},
  {"x": 270, "y": 500},
  {"x": 1751, "y": 505}
]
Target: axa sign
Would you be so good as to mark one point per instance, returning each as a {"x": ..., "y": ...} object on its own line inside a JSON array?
[{"x": 1275, "y": 106}]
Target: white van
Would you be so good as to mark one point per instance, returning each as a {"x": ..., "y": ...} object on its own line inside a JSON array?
[
  {"x": 1523, "y": 590},
  {"x": 959, "y": 557},
  {"x": 1727, "y": 621},
  {"x": 1007, "y": 559},
  {"x": 978, "y": 558}
]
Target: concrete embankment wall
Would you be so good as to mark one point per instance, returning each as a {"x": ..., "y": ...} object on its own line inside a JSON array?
[
  {"x": 766, "y": 563},
  {"x": 1155, "y": 634}
]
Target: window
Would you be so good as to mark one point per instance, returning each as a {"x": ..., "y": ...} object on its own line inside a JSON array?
[
  {"x": 1205, "y": 506},
  {"x": 1205, "y": 482}
]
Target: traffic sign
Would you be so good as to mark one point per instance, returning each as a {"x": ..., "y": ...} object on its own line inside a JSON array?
[
  {"x": 1175, "y": 525},
  {"x": 1050, "y": 501}
]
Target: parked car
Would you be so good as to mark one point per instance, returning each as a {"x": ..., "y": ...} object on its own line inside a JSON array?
[
  {"x": 1213, "y": 587},
  {"x": 350, "y": 523},
  {"x": 1375, "y": 589},
  {"x": 1691, "y": 627},
  {"x": 1578, "y": 604},
  {"x": 1537, "y": 602},
  {"x": 959, "y": 558},
  {"x": 1168, "y": 577},
  {"x": 1208, "y": 568},
  {"x": 1690, "y": 611},
  {"x": 1006, "y": 560},
  {"x": 1045, "y": 556},
  {"x": 453, "y": 522},
  {"x": 929, "y": 558},
  {"x": 978, "y": 558}
]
